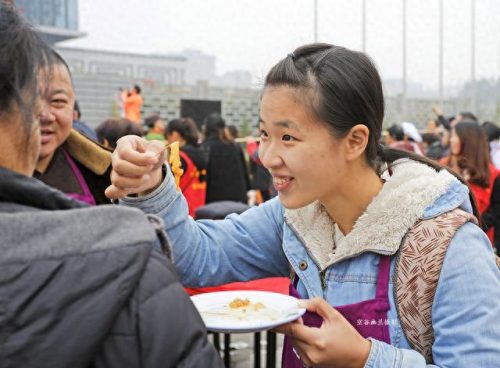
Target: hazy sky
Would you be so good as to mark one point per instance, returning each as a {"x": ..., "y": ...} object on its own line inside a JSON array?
[{"x": 254, "y": 34}]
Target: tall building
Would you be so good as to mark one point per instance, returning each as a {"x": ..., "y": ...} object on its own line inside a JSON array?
[{"x": 57, "y": 20}]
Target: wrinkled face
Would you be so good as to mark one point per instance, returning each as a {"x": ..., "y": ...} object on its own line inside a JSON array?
[
  {"x": 455, "y": 145},
  {"x": 303, "y": 157},
  {"x": 56, "y": 118}
]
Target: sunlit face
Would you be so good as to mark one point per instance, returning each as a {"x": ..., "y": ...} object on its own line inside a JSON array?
[
  {"x": 307, "y": 163},
  {"x": 56, "y": 118},
  {"x": 455, "y": 144}
]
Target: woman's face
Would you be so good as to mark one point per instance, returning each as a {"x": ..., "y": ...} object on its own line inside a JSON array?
[
  {"x": 56, "y": 118},
  {"x": 306, "y": 162},
  {"x": 455, "y": 145}
]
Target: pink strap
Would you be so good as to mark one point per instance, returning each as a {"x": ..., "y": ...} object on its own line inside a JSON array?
[
  {"x": 384, "y": 270},
  {"x": 79, "y": 177}
]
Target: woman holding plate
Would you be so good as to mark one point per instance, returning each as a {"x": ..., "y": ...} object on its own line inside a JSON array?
[{"x": 361, "y": 230}]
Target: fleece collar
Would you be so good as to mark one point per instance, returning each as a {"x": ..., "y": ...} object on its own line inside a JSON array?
[
  {"x": 90, "y": 154},
  {"x": 407, "y": 192}
]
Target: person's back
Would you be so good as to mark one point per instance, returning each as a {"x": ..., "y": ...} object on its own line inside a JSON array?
[
  {"x": 226, "y": 171},
  {"x": 85, "y": 286}
]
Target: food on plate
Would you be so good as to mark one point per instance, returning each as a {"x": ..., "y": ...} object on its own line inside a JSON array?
[
  {"x": 242, "y": 310},
  {"x": 241, "y": 303}
]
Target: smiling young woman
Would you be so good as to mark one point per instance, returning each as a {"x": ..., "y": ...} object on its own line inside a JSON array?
[{"x": 353, "y": 226}]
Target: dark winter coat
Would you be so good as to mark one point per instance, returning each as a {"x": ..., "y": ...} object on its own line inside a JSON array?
[
  {"x": 227, "y": 176},
  {"x": 85, "y": 287},
  {"x": 93, "y": 161}
]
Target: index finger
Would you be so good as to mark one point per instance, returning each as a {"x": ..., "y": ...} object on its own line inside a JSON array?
[{"x": 299, "y": 331}]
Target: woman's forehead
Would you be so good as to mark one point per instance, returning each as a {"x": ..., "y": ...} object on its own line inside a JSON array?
[{"x": 286, "y": 107}]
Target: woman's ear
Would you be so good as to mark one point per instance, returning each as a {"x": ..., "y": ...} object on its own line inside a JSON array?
[{"x": 356, "y": 141}]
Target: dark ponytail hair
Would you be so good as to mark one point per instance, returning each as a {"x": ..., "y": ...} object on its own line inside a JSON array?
[
  {"x": 343, "y": 88},
  {"x": 213, "y": 126},
  {"x": 186, "y": 128}
]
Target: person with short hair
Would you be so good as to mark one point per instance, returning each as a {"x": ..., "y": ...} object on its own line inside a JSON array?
[
  {"x": 110, "y": 130},
  {"x": 68, "y": 160},
  {"x": 155, "y": 127}
]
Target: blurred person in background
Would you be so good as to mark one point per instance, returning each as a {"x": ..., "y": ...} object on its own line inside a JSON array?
[
  {"x": 68, "y": 160},
  {"x": 469, "y": 157},
  {"x": 194, "y": 161},
  {"x": 413, "y": 136},
  {"x": 398, "y": 140},
  {"x": 227, "y": 176},
  {"x": 493, "y": 134},
  {"x": 132, "y": 104},
  {"x": 109, "y": 131},
  {"x": 231, "y": 134},
  {"x": 432, "y": 146},
  {"x": 155, "y": 126},
  {"x": 449, "y": 123},
  {"x": 432, "y": 126},
  {"x": 80, "y": 286},
  {"x": 81, "y": 126},
  {"x": 120, "y": 96}
]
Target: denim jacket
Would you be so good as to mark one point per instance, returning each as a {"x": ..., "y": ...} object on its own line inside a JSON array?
[{"x": 269, "y": 240}]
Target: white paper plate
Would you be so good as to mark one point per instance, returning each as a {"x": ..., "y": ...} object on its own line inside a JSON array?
[{"x": 219, "y": 317}]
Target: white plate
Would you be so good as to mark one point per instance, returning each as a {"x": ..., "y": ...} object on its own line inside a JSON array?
[{"x": 219, "y": 317}]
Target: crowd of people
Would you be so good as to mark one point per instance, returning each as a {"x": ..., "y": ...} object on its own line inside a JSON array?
[
  {"x": 383, "y": 246},
  {"x": 467, "y": 147}
]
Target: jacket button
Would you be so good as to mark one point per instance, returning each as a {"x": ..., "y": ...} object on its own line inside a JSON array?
[{"x": 303, "y": 265}]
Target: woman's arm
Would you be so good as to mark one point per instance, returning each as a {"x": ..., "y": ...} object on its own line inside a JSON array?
[{"x": 212, "y": 252}]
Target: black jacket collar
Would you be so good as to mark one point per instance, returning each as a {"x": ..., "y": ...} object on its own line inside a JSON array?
[{"x": 27, "y": 191}]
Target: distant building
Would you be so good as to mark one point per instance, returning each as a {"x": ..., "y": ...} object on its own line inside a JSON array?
[
  {"x": 163, "y": 69},
  {"x": 57, "y": 20},
  {"x": 236, "y": 78},
  {"x": 98, "y": 76},
  {"x": 199, "y": 66}
]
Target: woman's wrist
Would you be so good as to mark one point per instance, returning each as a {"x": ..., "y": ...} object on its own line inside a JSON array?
[
  {"x": 363, "y": 354},
  {"x": 157, "y": 177}
]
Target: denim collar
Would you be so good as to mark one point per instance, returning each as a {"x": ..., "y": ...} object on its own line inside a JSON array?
[{"x": 408, "y": 195}]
